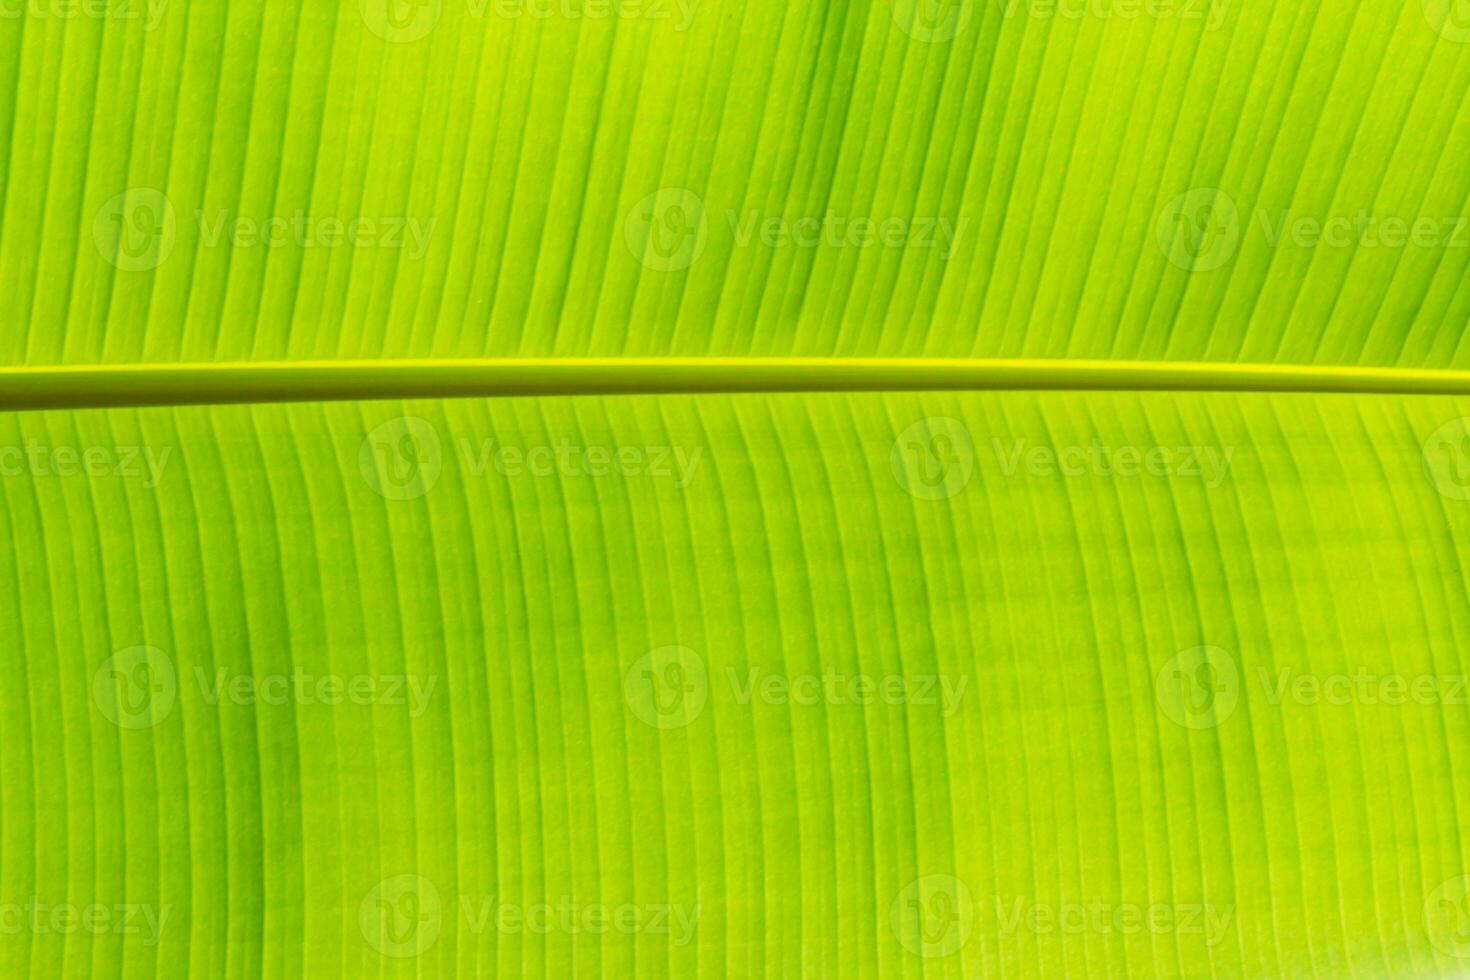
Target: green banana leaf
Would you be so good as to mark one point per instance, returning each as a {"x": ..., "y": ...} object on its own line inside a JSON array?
[{"x": 829, "y": 684}]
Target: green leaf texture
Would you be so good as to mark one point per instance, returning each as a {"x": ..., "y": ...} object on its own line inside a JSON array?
[
  {"x": 738, "y": 686},
  {"x": 826, "y": 684},
  {"x": 1190, "y": 179}
]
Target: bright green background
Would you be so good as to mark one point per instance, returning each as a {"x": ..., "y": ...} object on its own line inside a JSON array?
[
  {"x": 794, "y": 548},
  {"x": 1112, "y": 179},
  {"x": 529, "y": 141}
]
